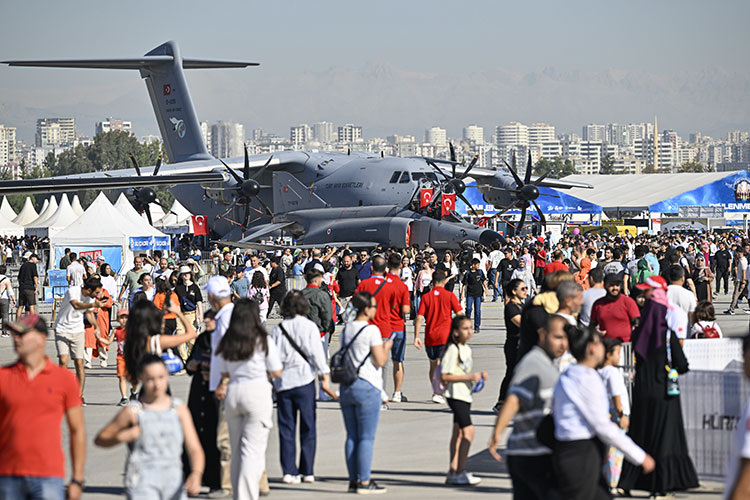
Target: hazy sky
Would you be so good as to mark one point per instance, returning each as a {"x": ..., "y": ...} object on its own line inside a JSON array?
[{"x": 394, "y": 66}]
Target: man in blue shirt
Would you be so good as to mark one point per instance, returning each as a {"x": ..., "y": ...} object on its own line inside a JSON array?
[
  {"x": 364, "y": 266},
  {"x": 240, "y": 285}
]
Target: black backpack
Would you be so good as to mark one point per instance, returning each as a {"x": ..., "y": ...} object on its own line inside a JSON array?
[{"x": 343, "y": 370}]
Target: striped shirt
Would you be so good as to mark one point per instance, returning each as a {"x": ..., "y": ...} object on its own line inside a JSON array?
[{"x": 533, "y": 383}]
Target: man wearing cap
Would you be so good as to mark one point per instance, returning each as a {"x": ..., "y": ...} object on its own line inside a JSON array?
[
  {"x": 191, "y": 305},
  {"x": 34, "y": 396},
  {"x": 75, "y": 271},
  {"x": 70, "y": 336},
  {"x": 28, "y": 285},
  {"x": 616, "y": 315},
  {"x": 220, "y": 298},
  {"x": 652, "y": 259}
]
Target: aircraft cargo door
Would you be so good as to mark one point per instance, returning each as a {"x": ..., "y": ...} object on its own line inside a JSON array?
[{"x": 419, "y": 232}]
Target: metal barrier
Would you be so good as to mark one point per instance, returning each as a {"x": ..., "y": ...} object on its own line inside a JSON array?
[{"x": 295, "y": 283}]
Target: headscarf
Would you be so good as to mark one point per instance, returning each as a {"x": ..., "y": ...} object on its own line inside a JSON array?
[
  {"x": 582, "y": 276},
  {"x": 651, "y": 331}
]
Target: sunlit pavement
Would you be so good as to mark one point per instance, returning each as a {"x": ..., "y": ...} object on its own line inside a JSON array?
[{"x": 411, "y": 447}]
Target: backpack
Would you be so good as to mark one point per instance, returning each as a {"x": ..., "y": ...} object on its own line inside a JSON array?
[
  {"x": 438, "y": 386},
  {"x": 257, "y": 297},
  {"x": 343, "y": 370},
  {"x": 708, "y": 332},
  {"x": 642, "y": 274}
]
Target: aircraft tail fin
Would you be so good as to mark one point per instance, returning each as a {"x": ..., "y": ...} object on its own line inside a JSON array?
[
  {"x": 162, "y": 68},
  {"x": 290, "y": 194}
]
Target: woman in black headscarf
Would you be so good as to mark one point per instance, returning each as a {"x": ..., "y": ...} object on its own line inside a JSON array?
[{"x": 656, "y": 418}]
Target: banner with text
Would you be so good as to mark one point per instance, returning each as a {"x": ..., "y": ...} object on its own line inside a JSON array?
[
  {"x": 112, "y": 255},
  {"x": 140, "y": 243}
]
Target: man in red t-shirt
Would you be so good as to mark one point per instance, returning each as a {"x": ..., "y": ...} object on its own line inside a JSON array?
[
  {"x": 435, "y": 308},
  {"x": 384, "y": 293},
  {"x": 35, "y": 393},
  {"x": 556, "y": 264},
  {"x": 615, "y": 314},
  {"x": 398, "y": 326}
]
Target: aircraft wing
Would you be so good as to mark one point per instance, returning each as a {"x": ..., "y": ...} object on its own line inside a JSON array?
[
  {"x": 260, "y": 246},
  {"x": 103, "y": 181},
  {"x": 484, "y": 175}
]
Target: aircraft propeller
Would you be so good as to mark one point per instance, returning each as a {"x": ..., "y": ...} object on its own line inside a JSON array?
[
  {"x": 526, "y": 191},
  {"x": 248, "y": 188},
  {"x": 454, "y": 184},
  {"x": 146, "y": 195}
]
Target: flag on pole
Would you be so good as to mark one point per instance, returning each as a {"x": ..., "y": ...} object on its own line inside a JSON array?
[
  {"x": 449, "y": 203},
  {"x": 200, "y": 225},
  {"x": 425, "y": 197}
]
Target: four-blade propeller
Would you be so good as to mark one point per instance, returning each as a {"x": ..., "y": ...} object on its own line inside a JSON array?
[{"x": 144, "y": 196}]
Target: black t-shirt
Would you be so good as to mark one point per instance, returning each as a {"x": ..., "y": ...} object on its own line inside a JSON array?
[
  {"x": 722, "y": 258},
  {"x": 275, "y": 275},
  {"x": 511, "y": 310},
  {"x": 189, "y": 296},
  {"x": 348, "y": 280},
  {"x": 534, "y": 318},
  {"x": 26, "y": 276},
  {"x": 473, "y": 281},
  {"x": 506, "y": 268}
]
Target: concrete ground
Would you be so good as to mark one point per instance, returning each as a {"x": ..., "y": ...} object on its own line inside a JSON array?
[{"x": 411, "y": 448}]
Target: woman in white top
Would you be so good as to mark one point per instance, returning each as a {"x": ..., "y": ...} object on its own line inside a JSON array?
[
  {"x": 581, "y": 413},
  {"x": 107, "y": 277},
  {"x": 360, "y": 401},
  {"x": 258, "y": 292},
  {"x": 6, "y": 296},
  {"x": 303, "y": 358},
  {"x": 246, "y": 361},
  {"x": 423, "y": 283}
]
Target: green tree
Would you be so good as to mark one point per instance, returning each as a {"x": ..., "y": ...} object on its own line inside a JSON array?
[
  {"x": 694, "y": 166},
  {"x": 559, "y": 168},
  {"x": 607, "y": 165}
]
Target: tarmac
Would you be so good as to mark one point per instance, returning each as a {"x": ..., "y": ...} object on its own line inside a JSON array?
[{"x": 411, "y": 447}]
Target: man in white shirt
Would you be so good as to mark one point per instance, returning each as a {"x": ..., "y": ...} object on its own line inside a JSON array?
[
  {"x": 75, "y": 271},
  {"x": 678, "y": 294},
  {"x": 255, "y": 266},
  {"x": 740, "y": 279},
  {"x": 220, "y": 298},
  {"x": 595, "y": 292}
]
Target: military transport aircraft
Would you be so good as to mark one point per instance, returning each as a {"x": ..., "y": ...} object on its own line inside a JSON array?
[{"x": 318, "y": 197}]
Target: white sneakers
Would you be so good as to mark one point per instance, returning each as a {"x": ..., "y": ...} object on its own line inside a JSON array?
[
  {"x": 308, "y": 479},
  {"x": 289, "y": 479},
  {"x": 462, "y": 479},
  {"x": 437, "y": 398}
]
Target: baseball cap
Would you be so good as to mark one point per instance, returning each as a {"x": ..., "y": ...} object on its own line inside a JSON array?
[
  {"x": 218, "y": 286},
  {"x": 123, "y": 312},
  {"x": 27, "y": 255},
  {"x": 27, "y": 323},
  {"x": 653, "y": 282}
]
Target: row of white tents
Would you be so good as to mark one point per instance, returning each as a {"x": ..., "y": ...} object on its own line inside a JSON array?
[{"x": 55, "y": 217}]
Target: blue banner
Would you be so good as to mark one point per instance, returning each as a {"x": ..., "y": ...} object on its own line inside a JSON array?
[
  {"x": 112, "y": 255},
  {"x": 149, "y": 243},
  {"x": 732, "y": 192},
  {"x": 561, "y": 203}
]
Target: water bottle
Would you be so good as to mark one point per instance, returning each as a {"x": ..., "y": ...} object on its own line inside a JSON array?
[{"x": 673, "y": 386}]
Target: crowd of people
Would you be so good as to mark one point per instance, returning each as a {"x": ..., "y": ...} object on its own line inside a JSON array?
[{"x": 568, "y": 307}]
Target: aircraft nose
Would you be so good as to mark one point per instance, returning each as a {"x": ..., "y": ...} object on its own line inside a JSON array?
[{"x": 488, "y": 237}]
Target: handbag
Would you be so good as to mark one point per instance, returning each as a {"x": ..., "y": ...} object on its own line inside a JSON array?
[{"x": 173, "y": 362}]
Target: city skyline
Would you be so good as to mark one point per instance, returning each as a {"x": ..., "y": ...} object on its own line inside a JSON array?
[{"x": 548, "y": 62}]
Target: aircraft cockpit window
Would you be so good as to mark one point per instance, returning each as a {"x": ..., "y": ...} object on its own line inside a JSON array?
[
  {"x": 416, "y": 176},
  {"x": 404, "y": 178},
  {"x": 395, "y": 176}
]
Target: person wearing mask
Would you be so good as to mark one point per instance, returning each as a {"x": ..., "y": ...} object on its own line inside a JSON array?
[
  {"x": 529, "y": 400},
  {"x": 591, "y": 294},
  {"x": 28, "y": 285},
  {"x": 475, "y": 288},
  {"x": 515, "y": 293},
  {"x": 581, "y": 416},
  {"x": 303, "y": 360},
  {"x": 6, "y": 297},
  {"x": 615, "y": 314},
  {"x": 656, "y": 422},
  {"x": 361, "y": 400},
  {"x": 246, "y": 360}
]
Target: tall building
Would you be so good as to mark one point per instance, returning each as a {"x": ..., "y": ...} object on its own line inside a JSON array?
[
  {"x": 737, "y": 136},
  {"x": 617, "y": 133},
  {"x": 206, "y": 134},
  {"x": 511, "y": 134},
  {"x": 111, "y": 124},
  {"x": 436, "y": 136},
  {"x": 593, "y": 132},
  {"x": 350, "y": 133},
  {"x": 55, "y": 131},
  {"x": 7, "y": 145},
  {"x": 474, "y": 133},
  {"x": 227, "y": 139},
  {"x": 540, "y": 133},
  {"x": 300, "y": 134},
  {"x": 323, "y": 132}
]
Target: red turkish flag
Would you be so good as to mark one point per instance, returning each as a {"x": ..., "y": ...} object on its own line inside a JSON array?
[
  {"x": 425, "y": 197},
  {"x": 449, "y": 203},
  {"x": 200, "y": 225}
]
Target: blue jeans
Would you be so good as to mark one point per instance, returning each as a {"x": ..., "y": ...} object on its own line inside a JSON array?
[
  {"x": 360, "y": 404},
  {"x": 476, "y": 304},
  {"x": 289, "y": 403},
  {"x": 496, "y": 290},
  {"x": 31, "y": 488}
]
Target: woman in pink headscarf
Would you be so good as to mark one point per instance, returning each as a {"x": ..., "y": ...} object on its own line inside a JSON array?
[{"x": 656, "y": 418}]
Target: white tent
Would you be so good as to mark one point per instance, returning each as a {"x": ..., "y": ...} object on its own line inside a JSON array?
[
  {"x": 76, "y": 205},
  {"x": 46, "y": 213},
  {"x": 27, "y": 213},
  {"x": 157, "y": 213},
  {"x": 8, "y": 227},
  {"x": 177, "y": 216},
  {"x": 126, "y": 208},
  {"x": 6, "y": 210},
  {"x": 62, "y": 218}
]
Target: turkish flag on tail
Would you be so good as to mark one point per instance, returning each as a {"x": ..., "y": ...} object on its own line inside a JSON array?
[
  {"x": 425, "y": 197},
  {"x": 449, "y": 203},
  {"x": 200, "y": 225}
]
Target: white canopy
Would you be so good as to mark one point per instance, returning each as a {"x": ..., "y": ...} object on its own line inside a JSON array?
[
  {"x": 76, "y": 205},
  {"x": 27, "y": 213},
  {"x": 46, "y": 213},
  {"x": 6, "y": 210},
  {"x": 8, "y": 227},
  {"x": 62, "y": 218},
  {"x": 157, "y": 213},
  {"x": 124, "y": 206},
  {"x": 177, "y": 216}
]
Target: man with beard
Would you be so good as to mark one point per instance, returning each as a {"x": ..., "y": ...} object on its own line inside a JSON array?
[{"x": 615, "y": 314}]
